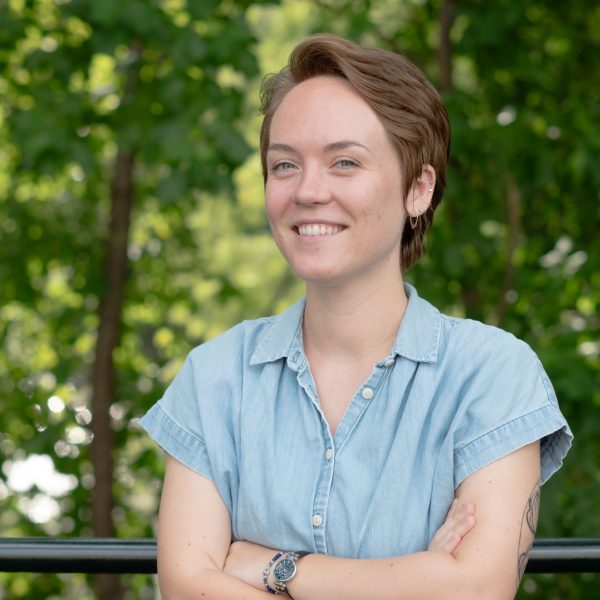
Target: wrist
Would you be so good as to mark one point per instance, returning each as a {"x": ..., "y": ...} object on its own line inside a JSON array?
[
  {"x": 268, "y": 579},
  {"x": 280, "y": 571}
]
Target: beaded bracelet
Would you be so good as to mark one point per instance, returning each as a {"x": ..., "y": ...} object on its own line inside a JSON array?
[{"x": 266, "y": 572}]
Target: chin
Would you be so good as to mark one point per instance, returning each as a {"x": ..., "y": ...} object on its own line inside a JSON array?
[{"x": 323, "y": 277}]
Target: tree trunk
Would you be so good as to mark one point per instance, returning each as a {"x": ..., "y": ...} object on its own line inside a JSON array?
[
  {"x": 445, "y": 47},
  {"x": 513, "y": 212},
  {"x": 103, "y": 374},
  {"x": 470, "y": 296},
  {"x": 108, "y": 586}
]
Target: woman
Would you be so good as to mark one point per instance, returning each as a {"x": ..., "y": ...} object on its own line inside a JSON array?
[{"x": 346, "y": 427}]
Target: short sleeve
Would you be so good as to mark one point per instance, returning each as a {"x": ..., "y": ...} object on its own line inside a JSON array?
[
  {"x": 508, "y": 404},
  {"x": 175, "y": 424}
]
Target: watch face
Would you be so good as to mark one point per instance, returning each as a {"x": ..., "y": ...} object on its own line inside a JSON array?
[{"x": 284, "y": 570}]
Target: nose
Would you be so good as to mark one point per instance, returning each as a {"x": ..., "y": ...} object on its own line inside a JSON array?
[{"x": 313, "y": 187}]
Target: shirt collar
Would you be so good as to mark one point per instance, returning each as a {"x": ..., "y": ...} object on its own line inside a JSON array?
[
  {"x": 418, "y": 337},
  {"x": 281, "y": 336}
]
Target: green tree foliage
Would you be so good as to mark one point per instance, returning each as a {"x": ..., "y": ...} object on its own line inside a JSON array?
[
  {"x": 174, "y": 83},
  {"x": 104, "y": 105}
]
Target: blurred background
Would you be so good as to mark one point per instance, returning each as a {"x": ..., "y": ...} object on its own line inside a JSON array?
[{"x": 132, "y": 229}]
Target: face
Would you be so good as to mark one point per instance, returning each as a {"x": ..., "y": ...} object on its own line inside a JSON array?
[{"x": 334, "y": 185}]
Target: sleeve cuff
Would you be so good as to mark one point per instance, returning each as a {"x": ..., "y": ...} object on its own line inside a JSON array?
[
  {"x": 545, "y": 424},
  {"x": 177, "y": 442}
]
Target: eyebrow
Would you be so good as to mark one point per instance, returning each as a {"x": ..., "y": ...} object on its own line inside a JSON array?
[
  {"x": 342, "y": 145},
  {"x": 333, "y": 147}
]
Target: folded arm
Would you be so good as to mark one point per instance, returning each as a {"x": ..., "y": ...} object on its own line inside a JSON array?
[
  {"x": 194, "y": 543},
  {"x": 194, "y": 536},
  {"x": 488, "y": 563}
]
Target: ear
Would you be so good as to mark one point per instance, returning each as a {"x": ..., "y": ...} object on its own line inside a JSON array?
[{"x": 420, "y": 194}]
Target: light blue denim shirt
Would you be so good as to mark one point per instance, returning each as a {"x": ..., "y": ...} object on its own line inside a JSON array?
[{"x": 452, "y": 396}]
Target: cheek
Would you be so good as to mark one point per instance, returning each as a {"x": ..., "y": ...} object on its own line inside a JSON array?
[
  {"x": 272, "y": 207},
  {"x": 275, "y": 209}
]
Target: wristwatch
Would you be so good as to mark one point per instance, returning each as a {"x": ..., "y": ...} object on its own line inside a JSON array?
[{"x": 285, "y": 570}]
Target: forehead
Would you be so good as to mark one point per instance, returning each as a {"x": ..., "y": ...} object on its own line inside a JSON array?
[{"x": 325, "y": 109}]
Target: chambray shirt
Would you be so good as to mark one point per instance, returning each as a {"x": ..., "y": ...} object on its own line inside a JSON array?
[{"x": 451, "y": 397}]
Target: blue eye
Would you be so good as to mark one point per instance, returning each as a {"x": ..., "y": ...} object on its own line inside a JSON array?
[
  {"x": 283, "y": 166},
  {"x": 346, "y": 163}
]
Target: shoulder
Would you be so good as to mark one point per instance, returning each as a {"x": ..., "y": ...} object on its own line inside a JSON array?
[
  {"x": 208, "y": 383},
  {"x": 471, "y": 343},
  {"x": 504, "y": 398},
  {"x": 492, "y": 391},
  {"x": 493, "y": 376},
  {"x": 234, "y": 344},
  {"x": 249, "y": 343}
]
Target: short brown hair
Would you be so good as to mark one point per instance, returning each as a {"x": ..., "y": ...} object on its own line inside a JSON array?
[{"x": 408, "y": 106}]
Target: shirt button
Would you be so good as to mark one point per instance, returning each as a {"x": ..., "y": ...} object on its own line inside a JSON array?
[
  {"x": 367, "y": 393},
  {"x": 329, "y": 454},
  {"x": 389, "y": 362},
  {"x": 317, "y": 520}
]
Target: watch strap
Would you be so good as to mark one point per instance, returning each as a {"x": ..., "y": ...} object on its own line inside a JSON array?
[{"x": 281, "y": 585}]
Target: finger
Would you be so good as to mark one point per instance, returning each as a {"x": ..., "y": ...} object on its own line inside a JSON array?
[
  {"x": 465, "y": 526},
  {"x": 452, "y": 543},
  {"x": 455, "y": 537},
  {"x": 453, "y": 508},
  {"x": 459, "y": 533},
  {"x": 440, "y": 537},
  {"x": 454, "y": 516},
  {"x": 458, "y": 523},
  {"x": 467, "y": 508},
  {"x": 452, "y": 524},
  {"x": 455, "y": 521}
]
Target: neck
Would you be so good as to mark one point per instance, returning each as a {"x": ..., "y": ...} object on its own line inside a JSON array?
[{"x": 361, "y": 322}]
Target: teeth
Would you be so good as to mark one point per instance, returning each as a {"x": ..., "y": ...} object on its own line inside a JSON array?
[{"x": 317, "y": 229}]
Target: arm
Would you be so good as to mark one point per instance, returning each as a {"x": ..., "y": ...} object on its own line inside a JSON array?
[
  {"x": 487, "y": 563},
  {"x": 194, "y": 540},
  {"x": 194, "y": 535}
]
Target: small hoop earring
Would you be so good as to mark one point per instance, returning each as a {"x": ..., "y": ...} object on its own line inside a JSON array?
[{"x": 414, "y": 221}]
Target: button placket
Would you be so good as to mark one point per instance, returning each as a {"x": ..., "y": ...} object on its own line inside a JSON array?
[{"x": 323, "y": 489}]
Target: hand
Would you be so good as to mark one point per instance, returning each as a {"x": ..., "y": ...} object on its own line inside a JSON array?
[
  {"x": 459, "y": 521},
  {"x": 246, "y": 562}
]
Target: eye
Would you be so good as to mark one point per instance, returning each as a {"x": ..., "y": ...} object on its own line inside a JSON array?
[
  {"x": 346, "y": 163},
  {"x": 283, "y": 166}
]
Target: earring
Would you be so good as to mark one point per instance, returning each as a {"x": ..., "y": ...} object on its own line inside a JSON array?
[
  {"x": 414, "y": 221},
  {"x": 430, "y": 187}
]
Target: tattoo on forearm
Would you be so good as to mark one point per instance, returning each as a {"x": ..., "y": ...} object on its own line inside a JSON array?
[{"x": 528, "y": 528}]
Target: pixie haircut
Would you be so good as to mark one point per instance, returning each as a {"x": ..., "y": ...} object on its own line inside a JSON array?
[{"x": 408, "y": 106}]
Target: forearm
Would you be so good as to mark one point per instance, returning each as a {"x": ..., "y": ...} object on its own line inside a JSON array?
[
  {"x": 424, "y": 575},
  {"x": 246, "y": 560},
  {"x": 209, "y": 584},
  {"x": 487, "y": 566}
]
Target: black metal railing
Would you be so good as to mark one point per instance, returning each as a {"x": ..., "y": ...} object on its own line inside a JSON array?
[{"x": 109, "y": 555}]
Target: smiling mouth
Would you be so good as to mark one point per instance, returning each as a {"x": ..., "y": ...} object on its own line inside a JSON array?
[{"x": 318, "y": 229}]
